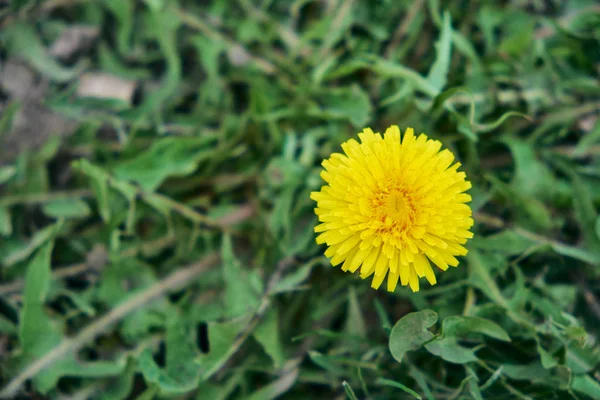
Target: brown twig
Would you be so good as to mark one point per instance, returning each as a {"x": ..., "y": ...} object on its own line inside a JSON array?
[{"x": 176, "y": 280}]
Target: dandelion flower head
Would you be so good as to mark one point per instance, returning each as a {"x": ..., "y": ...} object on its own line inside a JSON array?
[{"x": 392, "y": 206}]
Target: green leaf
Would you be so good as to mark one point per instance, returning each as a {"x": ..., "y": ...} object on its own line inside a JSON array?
[
  {"x": 482, "y": 279},
  {"x": 586, "y": 385},
  {"x": 221, "y": 338},
  {"x": 5, "y": 222},
  {"x": 411, "y": 332},
  {"x": 586, "y": 214},
  {"x": 438, "y": 74},
  {"x": 167, "y": 157},
  {"x": 506, "y": 242},
  {"x": 6, "y": 173},
  {"x": 352, "y": 104},
  {"x": 532, "y": 177},
  {"x": 34, "y": 321},
  {"x": 349, "y": 392},
  {"x": 398, "y": 385},
  {"x": 355, "y": 323},
  {"x": 40, "y": 238},
  {"x": 38, "y": 334},
  {"x": 276, "y": 388},
  {"x": 267, "y": 334},
  {"x": 449, "y": 349},
  {"x": 23, "y": 41},
  {"x": 490, "y": 126},
  {"x": 243, "y": 288},
  {"x": 66, "y": 208},
  {"x": 392, "y": 70},
  {"x": 294, "y": 279},
  {"x": 120, "y": 387},
  {"x": 463, "y": 325},
  {"x": 7, "y": 326},
  {"x": 180, "y": 373}
]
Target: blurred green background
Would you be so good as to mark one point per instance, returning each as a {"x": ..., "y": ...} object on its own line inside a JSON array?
[{"x": 156, "y": 231}]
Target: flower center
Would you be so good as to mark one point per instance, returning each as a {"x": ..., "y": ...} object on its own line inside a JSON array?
[{"x": 397, "y": 207}]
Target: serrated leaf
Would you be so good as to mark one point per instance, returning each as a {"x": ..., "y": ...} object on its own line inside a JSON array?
[{"x": 411, "y": 332}]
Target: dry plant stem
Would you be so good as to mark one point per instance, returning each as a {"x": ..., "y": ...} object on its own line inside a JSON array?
[
  {"x": 260, "y": 312},
  {"x": 196, "y": 23},
  {"x": 176, "y": 280},
  {"x": 243, "y": 213},
  {"x": 404, "y": 26},
  {"x": 36, "y": 198}
]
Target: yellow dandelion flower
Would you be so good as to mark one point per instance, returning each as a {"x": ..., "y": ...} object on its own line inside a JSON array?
[{"x": 391, "y": 206}]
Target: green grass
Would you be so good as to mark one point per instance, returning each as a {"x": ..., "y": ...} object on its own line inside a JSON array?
[{"x": 161, "y": 245}]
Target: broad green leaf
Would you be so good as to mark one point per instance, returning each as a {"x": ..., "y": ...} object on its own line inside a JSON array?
[
  {"x": 267, "y": 334},
  {"x": 586, "y": 385},
  {"x": 438, "y": 74},
  {"x": 35, "y": 329},
  {"x": 66, "y": 208},
  {"x": 559, "y": 376},
  {"x": 411, "y": 332},
  {"x": 167, "y": 157},
  {"x": 243, "y": 288},
  {"x": 463, "y": 325},
  {"x": 581, "y": 359},
  {"x": 449, "y": 349},
  {"x": 181, "y": 373}
]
